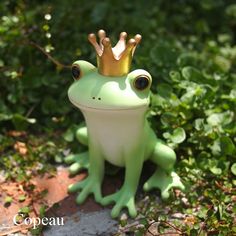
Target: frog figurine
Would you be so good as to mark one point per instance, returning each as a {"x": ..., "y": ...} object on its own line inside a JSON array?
[{"x": 114, "y": 102}]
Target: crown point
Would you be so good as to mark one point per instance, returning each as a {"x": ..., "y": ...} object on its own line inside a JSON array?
[
  {"x": 92, "y": 37},
  {"x": 106, "y": 42},
  {"x": 101, "y": 34},
  {"x": 123, "y": 35},
  {"x": 131, "y": 42},
  {"x": 137, "y": 38}
]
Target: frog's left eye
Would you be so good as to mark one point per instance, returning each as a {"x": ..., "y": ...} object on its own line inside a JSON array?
[
  {"x": 76, "y": 72},
  {"x": 142, "y": 82}
]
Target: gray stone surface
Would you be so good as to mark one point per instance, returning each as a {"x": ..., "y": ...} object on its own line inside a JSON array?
[{"x": 97, "y": 223}]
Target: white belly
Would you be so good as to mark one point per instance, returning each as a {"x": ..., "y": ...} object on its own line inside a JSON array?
[{"x": 115, "y": 132}]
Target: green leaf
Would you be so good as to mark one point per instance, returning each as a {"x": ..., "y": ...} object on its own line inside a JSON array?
[
  {"x": 1, "y": 63},
  {"x": 187, "y": 59},
  {"x": 99, "y": 12},
  {"x": 58, "y": 158},
  {"x": 215, "y": 170},
  {"x": 8, "y": 199},
  {"x": 223, "y": 146},
  {"x": 234, "y": 229},
  {"x": 227, "y": 146},
  {"x": 166, "y": 135},
  {"x": 202, "y": 212},
  {"x": 49, "y": 105},
  {"x": 199, "y": 124},
  {"x": 164, "y": 90},
  {"x": 175, "y": 76},
  {"x": 31, "y": 120},
  {"x": 5, "y": 117},
  {"x": 24, "y": 210},
  {"x": 21, "y": 122},
  {"x": 168, "y": 118},
  {"x": 163, "y": 55},
  {"x": 193, "y": 232},
  {"x": 21, "y": 198},
  {"x": 223, "y": 118},
  {"x": 192, "y": 74},
  {"x": 178, "y": 135},
  {"x": 42, "y": 211},
  {"x": 233, "y": 168},
  {"x": 69, "y": 135},
  {"x": 223, "y": 63},
  {"x": 231, "y": 10},
  {"x": 216, "y": 149},
  {"x": 220, "y": 211}
]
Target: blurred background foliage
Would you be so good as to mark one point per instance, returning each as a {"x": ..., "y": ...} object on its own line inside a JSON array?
[{"x": 188, "y": 46}]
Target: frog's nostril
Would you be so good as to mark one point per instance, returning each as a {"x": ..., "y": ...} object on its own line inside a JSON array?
[
  {"x": 93, "y": 97},
  {"x": 99, "y": 98}
]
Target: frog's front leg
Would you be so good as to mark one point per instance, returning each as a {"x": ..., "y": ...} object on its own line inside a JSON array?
[
  {"x": 125, "y": 197},
  {"x": 164, "y": 177},
  {"x": 80, "y": 161},
  {"x": 92, "y": 184}
]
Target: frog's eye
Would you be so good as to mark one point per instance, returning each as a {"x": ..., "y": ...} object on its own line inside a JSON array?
[
  {"x": 142, "y": 82},
  {"x": 76, "y": 72}
]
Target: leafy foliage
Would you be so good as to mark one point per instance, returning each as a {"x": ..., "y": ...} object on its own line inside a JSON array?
[{"x": 188, "y": 47}]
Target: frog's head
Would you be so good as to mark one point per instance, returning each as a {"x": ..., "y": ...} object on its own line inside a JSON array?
[{"x": 110, "y": 86}]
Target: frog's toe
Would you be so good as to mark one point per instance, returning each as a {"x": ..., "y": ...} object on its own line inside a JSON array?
[
  {"x": 75, "y": 168},
  {"x": 72, "y": 188},
  {"x": 163, "y": 181},
  {"x": 122, "y": 199},
  {"x": 108, "y": 199},
  {"x": 131, "y": 208},
  {"x": 176, "y": 182},
  {"x": 87, "y": 190},
  {"x": 151, "y": 183},
  {"x": 81, "y": 161},
  {"x": 147, "y": 186},
  {"x": 83, "y": 195},
  {"x": 70, "y": 159},
  {"x": 165, "y": 194},
  {"x": 87, "y": 186},
  {"x": 181, "y": 186},
  {"x": 130, "y": 205},
  {"x": 98, "y": 196},
  {"x": 116, "y": 211},
  {"x": 75, "y": 187}
]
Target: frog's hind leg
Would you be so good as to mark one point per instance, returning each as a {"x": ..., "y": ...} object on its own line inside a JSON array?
[
  {"x": 164, "y": 177},
  {"x": 80, "y": 161}
]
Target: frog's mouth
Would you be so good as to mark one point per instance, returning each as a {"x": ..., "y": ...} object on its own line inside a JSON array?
[{"x": 113, "y": 108}]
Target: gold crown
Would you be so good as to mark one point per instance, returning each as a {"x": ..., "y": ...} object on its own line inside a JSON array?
[{"x": 114, "y": 61}]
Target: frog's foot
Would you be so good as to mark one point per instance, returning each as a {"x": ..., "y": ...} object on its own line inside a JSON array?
[
  {"x": 87, "y": 186},
  {"x": 164, "y": 181},
  {"x": 123, "y": 198},
  {"x": 80, "y": 161}
]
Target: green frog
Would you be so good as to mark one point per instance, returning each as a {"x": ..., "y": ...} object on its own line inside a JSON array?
[{"x": 114, "y": 102}]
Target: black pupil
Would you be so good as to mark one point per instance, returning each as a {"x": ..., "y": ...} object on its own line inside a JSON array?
[
  {"x": 141, "y": 83},
  {"x": 75, "y": 72}
]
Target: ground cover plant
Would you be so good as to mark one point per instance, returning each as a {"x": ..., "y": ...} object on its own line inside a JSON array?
[{"x": 188, "y": 47}]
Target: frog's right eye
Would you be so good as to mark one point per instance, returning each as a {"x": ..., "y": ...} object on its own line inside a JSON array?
[{"x": 76, "y": 72}]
